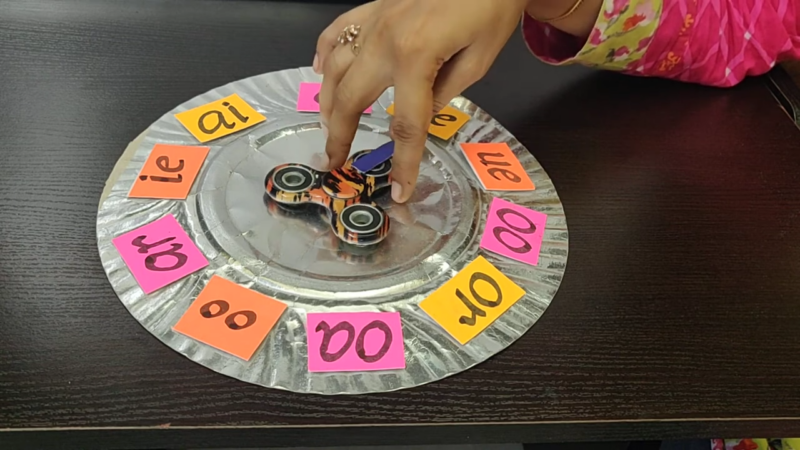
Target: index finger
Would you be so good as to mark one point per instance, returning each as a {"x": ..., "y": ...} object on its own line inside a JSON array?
[
  {"x": 363, "y": 83},
  {"x": 413, "y": 109}
]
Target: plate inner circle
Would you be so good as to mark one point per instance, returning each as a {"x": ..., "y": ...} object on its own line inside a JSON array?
[{"x": 295, "y": 250}]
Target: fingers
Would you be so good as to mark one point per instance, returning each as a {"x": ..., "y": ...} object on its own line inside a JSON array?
[
  {"x": 460, "y": 72},
  {"x": 363, "y": 83},
  {"x": 336, "y": 65},
  {"x": 413, "y": 110},
  {"x": 328, "y": 39}
]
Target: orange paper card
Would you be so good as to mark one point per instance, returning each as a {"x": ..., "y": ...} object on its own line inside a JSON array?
[
  {"x": 169, "y": 172},
  {"x": 230, "y": 317},
  {"x": 220, "y": 118},
  {"x": 445, "y": 124},
  {"x": 472, "y": 300},
  {"x": 497, "y": 168}
]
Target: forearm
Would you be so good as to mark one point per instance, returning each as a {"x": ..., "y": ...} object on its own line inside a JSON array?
[{"x": 688, "y": 40}]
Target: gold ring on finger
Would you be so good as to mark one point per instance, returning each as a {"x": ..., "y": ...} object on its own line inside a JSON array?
[{"x": 349, "y": 35}]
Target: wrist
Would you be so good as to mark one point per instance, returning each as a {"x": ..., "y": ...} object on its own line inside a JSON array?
[{"x": 576, "y": 17}]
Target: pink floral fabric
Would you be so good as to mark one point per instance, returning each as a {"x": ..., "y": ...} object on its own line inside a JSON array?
[
  {"x": 620, "y": 37},
  {"x": 712, "y": 42}
]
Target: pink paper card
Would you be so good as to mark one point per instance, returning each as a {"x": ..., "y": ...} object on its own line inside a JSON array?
[
  {"x": 159, "y": 253},
  {"x": 354, "y": 342},
  {"x": 514, "y": 231},
  {"x": 308, "y": 99}
]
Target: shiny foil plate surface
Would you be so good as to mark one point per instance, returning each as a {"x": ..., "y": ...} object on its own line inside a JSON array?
[{"x": 295, "y": 258}]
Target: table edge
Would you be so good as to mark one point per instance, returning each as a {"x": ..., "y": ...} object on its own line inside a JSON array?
[
  {"x": 167, "y": 436},
  {"x": 786, "y": 92}
]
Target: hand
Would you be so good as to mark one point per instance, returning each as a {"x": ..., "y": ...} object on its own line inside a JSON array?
[{"x": 430, "y": 51}]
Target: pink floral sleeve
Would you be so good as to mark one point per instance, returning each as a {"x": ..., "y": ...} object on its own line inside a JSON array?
[{"x": 712, "y": 42}]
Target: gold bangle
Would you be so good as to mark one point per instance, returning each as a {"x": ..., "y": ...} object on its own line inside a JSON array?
[{"x": 563, "y": 16}]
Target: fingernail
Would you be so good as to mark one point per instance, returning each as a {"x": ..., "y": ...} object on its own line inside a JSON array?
[
  {"x": 325, "y": 161},
  {"x": 321, "y": 160},
  {"x": 397, "y": 192},
  {"x": 315, "y": 65}
]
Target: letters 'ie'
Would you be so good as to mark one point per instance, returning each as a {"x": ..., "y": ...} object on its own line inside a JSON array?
[{"x": 169, "y": 172}]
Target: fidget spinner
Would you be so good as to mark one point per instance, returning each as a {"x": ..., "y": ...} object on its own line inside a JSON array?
[
  {"x": 344, "y": 193},
  {"x": 342, "y": 251}
]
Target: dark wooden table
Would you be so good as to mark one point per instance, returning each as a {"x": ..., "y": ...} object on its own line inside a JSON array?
[{"x": 678, "y": 316}]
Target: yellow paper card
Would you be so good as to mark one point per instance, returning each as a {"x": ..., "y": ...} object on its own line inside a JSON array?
[
  {"x": 220, "y": 118},
  {"x": 445, "y": 124},
  {"x": 472, "y": 300},
  {"x": 791, "y": 444}
]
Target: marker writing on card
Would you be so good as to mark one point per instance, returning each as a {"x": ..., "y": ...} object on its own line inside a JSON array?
[
  {"x": 221, "y": 307},
  {"x": 219, "y": 118},
  {"x": 159, "y": 253},
  {"x": 177, "y": 179},
  {"x": 151, "y": 260},
  {"x": 347, "y": 327},
  {"x": 344, "y": 342},
  {"x": 445, "y": 124},
  {"x": 162, "y": 162},
  {"x": 498, "y": 231},
  {"x": 472, "y": 300},
  {"x": 496, "y": 167},
  {"x": 230, "y": 317},
  {"x": 440, "y": 120},
  {"x": 474, "y": 310},
  {"x": 169, "y": 172},
  {"x": 514, "y": 231}
]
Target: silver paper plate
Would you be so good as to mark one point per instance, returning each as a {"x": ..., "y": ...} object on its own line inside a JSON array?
[{"x": 295, "y": 257}]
